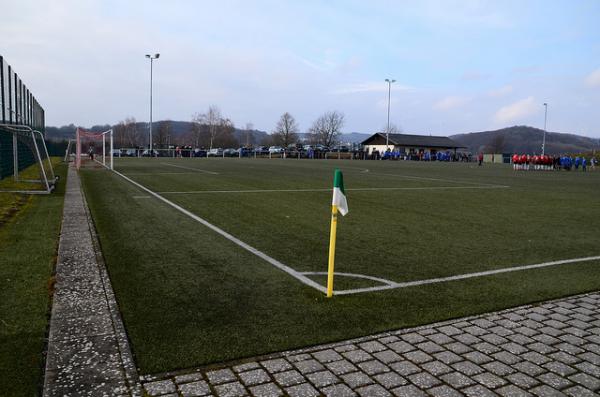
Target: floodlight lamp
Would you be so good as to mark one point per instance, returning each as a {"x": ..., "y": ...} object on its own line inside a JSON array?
[
  {"x": 156, "y": 56},
  {"x": 147, "y": 55}
]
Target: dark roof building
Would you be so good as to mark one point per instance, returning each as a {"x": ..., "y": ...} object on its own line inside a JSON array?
[{"x": 415, "y": 142}]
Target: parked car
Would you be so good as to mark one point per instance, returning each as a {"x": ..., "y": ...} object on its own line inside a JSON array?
[
  {"x": 116, "y": 153},
  {"x": 199, "y": 153},
  {"x": 340, "y": 148},
  {"x": 215, "y": 152},
  {"x": 261, "y": 150},
  {"x": 129, "y": 153},
  {"x": 146, "y": 153},
  {"x": 275, "y": 150},
  {"x": 245, "y": 152},
  {"x": 230, "y": 153}
]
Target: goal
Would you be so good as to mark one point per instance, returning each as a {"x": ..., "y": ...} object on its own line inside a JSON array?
[
  {"x": 25, "y": 166},
  {"x": 92, "y": 148}
]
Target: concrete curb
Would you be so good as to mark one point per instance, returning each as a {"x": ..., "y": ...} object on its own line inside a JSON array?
[{"x": 88, "y": 351}]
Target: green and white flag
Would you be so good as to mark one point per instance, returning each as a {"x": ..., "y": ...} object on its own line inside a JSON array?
[{"x": 339, "y": 195}]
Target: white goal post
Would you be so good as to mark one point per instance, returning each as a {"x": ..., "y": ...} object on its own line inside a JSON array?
[
  {"x": 25, "y": 166},
  {"x": 86, "y": 143}
]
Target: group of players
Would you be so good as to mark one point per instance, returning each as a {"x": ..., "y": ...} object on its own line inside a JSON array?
[{"x": 544, "y": 162}]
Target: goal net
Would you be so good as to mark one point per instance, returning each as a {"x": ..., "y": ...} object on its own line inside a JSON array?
[
  {"x": 25, "y": 166},
  {"x": 93, "y": 149}
]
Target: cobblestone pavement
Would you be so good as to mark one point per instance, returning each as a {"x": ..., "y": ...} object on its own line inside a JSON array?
[
  {"x": 552, "y": 349},
  {"x": 88, "y": 353}
]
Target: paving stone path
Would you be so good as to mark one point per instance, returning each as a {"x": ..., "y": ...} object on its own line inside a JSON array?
[
  {"x": 88, "y": 353},
  {"x": 552, "y": 349}
]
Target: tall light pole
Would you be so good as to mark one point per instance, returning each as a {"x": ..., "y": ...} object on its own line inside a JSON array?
[
  {"x": 545, "y": 119},
  {"x": 387, "y": 132},
  {"x": 151, "y": 57}
]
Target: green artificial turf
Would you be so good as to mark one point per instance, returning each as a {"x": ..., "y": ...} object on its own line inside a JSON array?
[
  {"x": 28, "y": 242},
  {"x": 190, "y": 297}
]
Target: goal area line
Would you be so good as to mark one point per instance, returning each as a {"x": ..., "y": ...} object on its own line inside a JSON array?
[{"x": 387, "y": 284}]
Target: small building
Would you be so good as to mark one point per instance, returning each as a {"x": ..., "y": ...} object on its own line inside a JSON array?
[{"x": 410, "y": 144}]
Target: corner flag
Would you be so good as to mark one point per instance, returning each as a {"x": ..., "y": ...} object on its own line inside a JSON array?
[
  {"x": 339, "y": 195},
  {"x": 340, "y": 204}
]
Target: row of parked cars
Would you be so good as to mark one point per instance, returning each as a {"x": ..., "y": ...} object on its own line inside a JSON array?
[{"x": 230, "y": 152}]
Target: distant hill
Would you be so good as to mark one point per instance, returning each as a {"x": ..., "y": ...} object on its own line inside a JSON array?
[{"x": 524, "y": 139}]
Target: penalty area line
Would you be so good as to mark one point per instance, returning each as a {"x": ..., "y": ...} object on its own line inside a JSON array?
[{"x": 299, "y": 276}]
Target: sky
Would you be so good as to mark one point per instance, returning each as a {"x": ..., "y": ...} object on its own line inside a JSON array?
[{"x": 460, "y": 66}]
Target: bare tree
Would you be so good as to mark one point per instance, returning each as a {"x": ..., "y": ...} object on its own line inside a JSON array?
[
  {"x": 119, "y": 131},
  {"x": 268, "y": 140},
  {"x": 211, "y": 129},
  {"x": 196, "y": 128},
  {"x": 496, "y": 144},
  {"x": 211, "y": 119},
  {"x": 394, "y": 129},
  {"x": 127, "y": 133},
  {"x": 249, "y": 135},
  {"x": 224, "y": 136},
  {"x": 162, "y": 137},
  {"x": 286, "y": 130},
  {"x": 327, "y": 128}
]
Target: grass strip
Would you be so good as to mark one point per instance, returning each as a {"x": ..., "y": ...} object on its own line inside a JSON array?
[{"x": 28, "y": 243}]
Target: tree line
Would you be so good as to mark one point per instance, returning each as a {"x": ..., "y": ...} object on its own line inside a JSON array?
[{"x": 212, "y": 129}]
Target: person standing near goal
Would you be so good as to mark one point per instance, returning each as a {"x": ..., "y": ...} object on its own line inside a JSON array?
[{"x": 91, "y": 152}]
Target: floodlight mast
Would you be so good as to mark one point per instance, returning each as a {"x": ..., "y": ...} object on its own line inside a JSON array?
[
  {"x": 545, "y": 119},
  {"x": 387, "y": 132},
  {"x": 156, "y": 56}
]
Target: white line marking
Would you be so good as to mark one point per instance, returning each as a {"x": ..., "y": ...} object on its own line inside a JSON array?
[
  {"x": 393, "y": 285},
  {"x": 140, "y": 197},
  {"x": 436, "y": 179},
  {"x": 354, "y": 275},
  {"x": 299, "y": 276},
  {"x": 192, "y": 168},
  {"x": 366, "y": 189},
  {"x": 159, "y": 173}
]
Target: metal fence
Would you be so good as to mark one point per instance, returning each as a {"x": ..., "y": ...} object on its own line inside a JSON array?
[{"x": 17, "y": 105}]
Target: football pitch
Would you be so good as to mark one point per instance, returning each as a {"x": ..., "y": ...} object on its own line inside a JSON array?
[{"x": 220, "y": 259}]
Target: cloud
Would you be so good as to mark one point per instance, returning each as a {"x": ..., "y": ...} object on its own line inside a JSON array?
[
  {"x": 370, "y": 86},
  {"x": 451, "y": 102},
  {"x": 500, "y": 92},
  {"x": 593, "y": 79},
  {"x": 516, "y": 111}
]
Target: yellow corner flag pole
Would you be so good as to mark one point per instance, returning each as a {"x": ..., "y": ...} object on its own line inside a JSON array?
[{"x": 332, "y": 238}]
